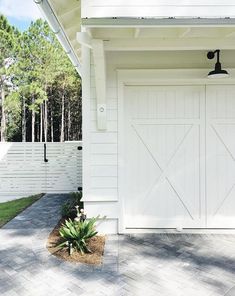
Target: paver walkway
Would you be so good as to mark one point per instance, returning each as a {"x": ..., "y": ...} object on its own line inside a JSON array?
[{"x": 150, "y": 264}]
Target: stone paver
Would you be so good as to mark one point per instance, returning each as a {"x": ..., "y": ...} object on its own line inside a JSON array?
[{"x": 149, "y": 264}]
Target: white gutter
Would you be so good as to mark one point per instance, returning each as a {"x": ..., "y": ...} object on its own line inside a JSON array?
[{"x": 59, "y": 32}]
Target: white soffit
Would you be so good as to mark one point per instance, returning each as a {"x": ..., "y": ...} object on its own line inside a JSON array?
[
  {"x": 64, "y": 17},
  {"x": 164, "y": 38},
  {"x": 162, "y": 32},
  {"x": 68, "y": 14}
]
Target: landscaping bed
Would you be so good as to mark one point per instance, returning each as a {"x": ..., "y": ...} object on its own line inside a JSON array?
[
  {"x": 95, "y": 244},
  {"x": 75, "y": 238}
]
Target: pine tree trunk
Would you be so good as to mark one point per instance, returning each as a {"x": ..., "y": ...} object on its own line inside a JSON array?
[
  {"x": 33, "y": 122},
  {"x": 23, "y": 120},
  {"x": 45, "y": 121},
  {"x": 41, "y": 121},
  {"x": 38, "y": 128},
  {"x": 69, "y": 121},
  {"x": 62, "y": 116},
  {"x": 52, "y": 126},
  {"x": 3, "y": 119}
]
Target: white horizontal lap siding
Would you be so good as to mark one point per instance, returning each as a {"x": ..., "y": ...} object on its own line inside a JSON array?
[
  {"x": 102, "y": 160},
  {"x": 157, "y": 8},
  {"x": 23, "y": 170}
]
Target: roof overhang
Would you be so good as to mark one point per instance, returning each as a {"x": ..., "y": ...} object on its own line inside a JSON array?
[
  {"x": 160, "y": 34},
  {"x": 127, "y": 34},
  {"x": 64, "y": 18}
]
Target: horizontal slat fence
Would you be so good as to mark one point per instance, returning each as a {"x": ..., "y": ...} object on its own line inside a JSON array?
[{"x": 23, "y": 170}]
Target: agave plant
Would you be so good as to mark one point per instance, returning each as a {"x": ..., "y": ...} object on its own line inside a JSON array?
[{"x": 76, "y": 233}]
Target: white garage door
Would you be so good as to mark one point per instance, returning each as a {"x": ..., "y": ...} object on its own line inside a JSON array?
[
  {"x": 179, "y": 165},
  {"x": 220, "y": 152}
]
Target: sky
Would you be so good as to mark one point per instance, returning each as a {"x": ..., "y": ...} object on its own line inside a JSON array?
[{"x": 20, "y": 13}]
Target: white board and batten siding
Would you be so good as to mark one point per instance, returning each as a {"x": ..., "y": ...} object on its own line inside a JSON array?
[
  {"x": 158, "y": 8},
  {"x": 23, "y": 171}
]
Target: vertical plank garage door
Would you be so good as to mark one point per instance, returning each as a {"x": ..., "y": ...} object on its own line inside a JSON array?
[
  {"x": 179, "y": 157},
  {"x": 163, "y": 148},
  {"x": 220, "y": 151}
]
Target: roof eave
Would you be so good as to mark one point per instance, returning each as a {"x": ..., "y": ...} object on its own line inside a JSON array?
[{"x": 50, "y": 15}]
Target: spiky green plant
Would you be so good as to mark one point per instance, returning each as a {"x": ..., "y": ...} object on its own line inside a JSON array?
[{"x": 75, "y": 234}]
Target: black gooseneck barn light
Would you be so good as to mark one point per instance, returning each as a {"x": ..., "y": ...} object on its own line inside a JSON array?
[{"x": 218, "y": 72}]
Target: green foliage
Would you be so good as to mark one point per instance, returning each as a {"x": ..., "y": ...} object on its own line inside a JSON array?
[
  {"x": 76, "y": 234},
  {"x": 13, "y": 108},
  {"x": 37, "y": 78},
  {"x": 8, "y": 42},
  {"x": 68, "y": 209},
  {"x": 76, "y": 198}
]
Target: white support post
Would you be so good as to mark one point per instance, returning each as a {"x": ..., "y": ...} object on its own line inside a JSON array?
[
  {"x": 84, "y": 39},
  {"x": 100, "y": 82}
]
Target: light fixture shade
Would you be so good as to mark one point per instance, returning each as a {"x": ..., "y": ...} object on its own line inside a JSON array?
[{"x": 218, "y": 72}]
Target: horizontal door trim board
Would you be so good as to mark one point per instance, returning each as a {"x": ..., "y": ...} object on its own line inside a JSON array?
[{"x": 169, "y": 77}]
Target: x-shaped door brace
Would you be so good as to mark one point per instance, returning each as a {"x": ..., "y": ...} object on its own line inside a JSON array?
[
  {"x": 231, "y": 155},
  {"x": 163, "y": 169}
]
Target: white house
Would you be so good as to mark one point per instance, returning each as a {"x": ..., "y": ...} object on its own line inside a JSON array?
[{"x": 158, "y": 134}]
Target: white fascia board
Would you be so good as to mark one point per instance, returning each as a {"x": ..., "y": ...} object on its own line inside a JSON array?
[
  {"x": 157, "y": 22},
  {"x": 56, "y": 27}
]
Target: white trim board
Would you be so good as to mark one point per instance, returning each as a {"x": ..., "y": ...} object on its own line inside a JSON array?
[
  {"x": 127, "y": 77},
  {"x": 170, "y": 44},
  {"x": 183, "y": 231},
  {"x": 86, "y": 88},
  {"x": 157, "y": 8},
  {"x": 157, "y": 22},
  {"x": 170, "y": 77}
]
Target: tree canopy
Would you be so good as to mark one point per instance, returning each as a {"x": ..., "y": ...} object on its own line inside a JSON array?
[{"x": 40, "y": 91}]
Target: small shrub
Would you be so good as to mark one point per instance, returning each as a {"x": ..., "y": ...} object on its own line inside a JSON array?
[
  {"x": 76, "y": 233},
  {"x": 68, "y": 210},
  {"x": 76, "y": 198}
]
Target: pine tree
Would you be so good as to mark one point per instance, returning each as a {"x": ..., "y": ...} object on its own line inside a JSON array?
[
  {"x": 8, "y": 51},
  {"x": 45, "y": 99}
]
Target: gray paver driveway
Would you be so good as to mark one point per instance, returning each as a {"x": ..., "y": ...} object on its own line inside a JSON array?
[{"x": 150, "y": 264}]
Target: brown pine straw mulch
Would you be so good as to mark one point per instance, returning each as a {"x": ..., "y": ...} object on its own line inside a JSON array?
[{"x": 95, "y": 244}]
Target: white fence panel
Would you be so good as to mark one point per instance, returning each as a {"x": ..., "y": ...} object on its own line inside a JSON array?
[
  {"x": 23, "y": 170},
  {"x": 157, "y": 8}
]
